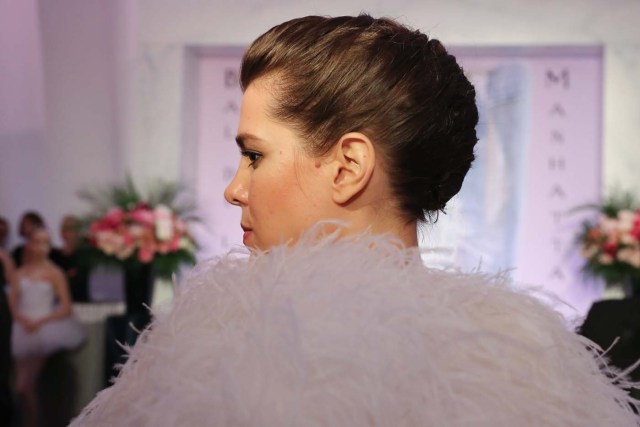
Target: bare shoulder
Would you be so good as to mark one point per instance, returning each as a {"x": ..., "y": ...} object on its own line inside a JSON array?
[
  {"x": 21, "y": 271},
  {"x": 54, "y": 272},
  {"x": 18, "y": 275}
]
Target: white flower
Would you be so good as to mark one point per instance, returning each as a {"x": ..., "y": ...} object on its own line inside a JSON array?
[
  {"x": 627, "y": 219},
  {"x": 627, "y": 238},
  {"x": 608, "y": 225},
  {"x": 164, "y": 223},
  {"x": 187, "y": 244}
]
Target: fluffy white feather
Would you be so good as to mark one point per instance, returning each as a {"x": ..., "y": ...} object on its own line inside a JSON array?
[{"x": 357, "y": 333}]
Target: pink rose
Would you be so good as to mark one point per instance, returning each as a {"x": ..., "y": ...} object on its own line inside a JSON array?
[
  {"x": 96, "y": 227},
  {"x": 142, "y": 215},
  {"x": 635, "y": 230},
  {"x": 610, "y": 248},
  {"x": 128, "y": 237},
  {"x": 113, "y": 218},
  {"x": 175, "y": 244}
]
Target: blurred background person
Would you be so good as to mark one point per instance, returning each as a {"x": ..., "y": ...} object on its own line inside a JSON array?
[
  {"x": 71, "y": 260},
  {"x": 29, "y": 222},
  {"x": 43, "y": 320}
]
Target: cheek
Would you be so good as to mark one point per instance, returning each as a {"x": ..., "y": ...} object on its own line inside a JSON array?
[
  {"x": 269, "y": 198},
  {"x": 276, "y": 207},
  {"x": 271, "y": 187}
]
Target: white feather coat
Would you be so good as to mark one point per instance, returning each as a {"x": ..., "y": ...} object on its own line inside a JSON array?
[{"x": 357, "y": 333}]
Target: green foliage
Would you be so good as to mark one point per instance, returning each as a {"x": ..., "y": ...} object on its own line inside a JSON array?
[{"x": 126, "y": 196}]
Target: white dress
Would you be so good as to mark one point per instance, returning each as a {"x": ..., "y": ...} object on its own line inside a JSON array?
[{"x": 37, "y": 299}]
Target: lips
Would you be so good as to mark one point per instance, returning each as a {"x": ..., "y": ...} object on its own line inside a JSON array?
[{"x": 247, "y": 234}]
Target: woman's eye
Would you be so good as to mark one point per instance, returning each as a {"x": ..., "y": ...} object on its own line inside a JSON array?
[{"x": 253, "y": 157}]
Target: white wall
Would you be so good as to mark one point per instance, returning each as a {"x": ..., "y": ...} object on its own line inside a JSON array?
[
  {"x": 22, "y": 118},
  {"x": 62, "y": 95},
  {"x": 80, "y": 103}
]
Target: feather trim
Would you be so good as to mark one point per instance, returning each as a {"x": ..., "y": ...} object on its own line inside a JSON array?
[{"x": 357, "y": 332}]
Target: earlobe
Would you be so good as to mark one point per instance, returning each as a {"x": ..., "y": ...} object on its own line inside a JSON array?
[{"x": 352, "y": 166}]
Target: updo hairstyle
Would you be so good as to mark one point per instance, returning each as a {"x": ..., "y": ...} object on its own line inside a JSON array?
[{"x": 346, "y": 74}]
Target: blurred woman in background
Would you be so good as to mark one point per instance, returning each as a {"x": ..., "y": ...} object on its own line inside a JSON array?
[{"x": 43, "y": 320}]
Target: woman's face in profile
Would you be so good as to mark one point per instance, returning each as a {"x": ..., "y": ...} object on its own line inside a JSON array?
[{"x": 281, "y": 190}]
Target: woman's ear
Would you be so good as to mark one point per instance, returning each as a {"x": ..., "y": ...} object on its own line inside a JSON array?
[{"x": 351, "y": 166}]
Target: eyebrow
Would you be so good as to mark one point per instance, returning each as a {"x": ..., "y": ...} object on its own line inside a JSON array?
[{"x": 241, "y": 139}]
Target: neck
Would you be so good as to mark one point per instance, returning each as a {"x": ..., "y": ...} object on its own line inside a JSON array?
[
  {"x": 37, "y": 259},
  {"x": 383, "y": 221},
  {"x": 376, "y": 208},
  {"x": 409, "y": 234},
  {"x": 406, "y": 232}
]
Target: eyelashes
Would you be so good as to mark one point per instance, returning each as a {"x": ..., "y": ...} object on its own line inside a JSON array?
[{"x": 252, "y": 156}]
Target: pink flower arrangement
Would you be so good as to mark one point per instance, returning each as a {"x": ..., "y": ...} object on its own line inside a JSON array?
[
  {"x": 128, "y": 228},
  {"x": 611, "y": 243},
  {"x": 614, "y": 239},
  {"x": 143, "y": 232}
]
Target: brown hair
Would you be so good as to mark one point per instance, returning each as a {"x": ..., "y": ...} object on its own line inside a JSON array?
[
  {"x": 34, "y": 218},
  {"x": 375, "y": 76}
]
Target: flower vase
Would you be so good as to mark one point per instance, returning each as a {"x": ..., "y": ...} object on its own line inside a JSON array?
[
  {"x": 138, "y": 280},
  {"x": 138, "y": 287},
  {"x": 631, "y": 286}
]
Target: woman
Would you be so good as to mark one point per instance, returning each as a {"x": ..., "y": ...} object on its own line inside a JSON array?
[
  {"x": 43, "y": 322},
  {"x": 371, "y": 126}
]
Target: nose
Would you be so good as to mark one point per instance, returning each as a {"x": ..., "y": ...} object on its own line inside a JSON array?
[{"x": 237, "y": 192}]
